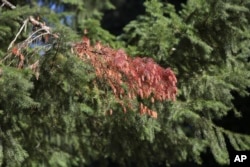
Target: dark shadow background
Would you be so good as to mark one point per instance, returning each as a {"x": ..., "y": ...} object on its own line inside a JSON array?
[{"x": 127, "y": 10}]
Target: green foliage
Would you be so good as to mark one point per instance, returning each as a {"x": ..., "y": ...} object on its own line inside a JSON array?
[
  {"x": 67, "y": 116},
  {"x": 151, "y": 33},
  {"x": 15, "y": 99},
  {"x": 207, "y": 44}
]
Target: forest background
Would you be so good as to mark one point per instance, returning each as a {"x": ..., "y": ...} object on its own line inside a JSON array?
[{"x": 93, "y": 83}]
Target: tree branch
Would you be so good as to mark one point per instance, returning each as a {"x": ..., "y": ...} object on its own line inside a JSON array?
[
  {"x": 33, "y": 21},
  {"x": 39, "y": 24},
  {"x": 12, "y": 42},
  {"x": 7, "y": 3}
]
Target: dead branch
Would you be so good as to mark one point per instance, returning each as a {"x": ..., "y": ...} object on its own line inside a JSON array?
[
  {"x": 33, "y": 21},
  {"x": 12, "y": 42},
  {"x": 36, "y": 23},
  {"x": 7, "y": 3},
  {"x": 39, "y": 24}
]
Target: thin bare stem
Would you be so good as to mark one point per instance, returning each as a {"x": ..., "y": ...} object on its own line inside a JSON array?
[
  {"x": 33, "y": 21},
  {"x": 37, "y": 23},
  {"x": 30, "y": 37},
  {"x": 7, "y": 3},
  {"x": 12, "y": 42},
  {"x": 38, "y": 36}
]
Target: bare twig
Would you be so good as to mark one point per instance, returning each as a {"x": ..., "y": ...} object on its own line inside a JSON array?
[
  {"x": 40, "y": 29},
  {"x": 7, "y": 3},
  {"x": 36, "y": 37},
  {"x": 33, "y": 21},
  {"x": 42, "y": 26},
  {"x": 24, "y": 24},
  {"x": 32, "y": 38},
  {"x": 39, "y": 24}
]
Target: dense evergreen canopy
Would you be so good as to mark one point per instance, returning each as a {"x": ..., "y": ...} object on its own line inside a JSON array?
[{"x": 73, "y": 94}]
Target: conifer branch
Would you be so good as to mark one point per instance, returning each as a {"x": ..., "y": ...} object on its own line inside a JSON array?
[{"x": 7, "y": 3}]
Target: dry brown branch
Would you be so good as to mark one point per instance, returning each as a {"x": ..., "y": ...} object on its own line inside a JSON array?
[{"x": 36, "y": 23}]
